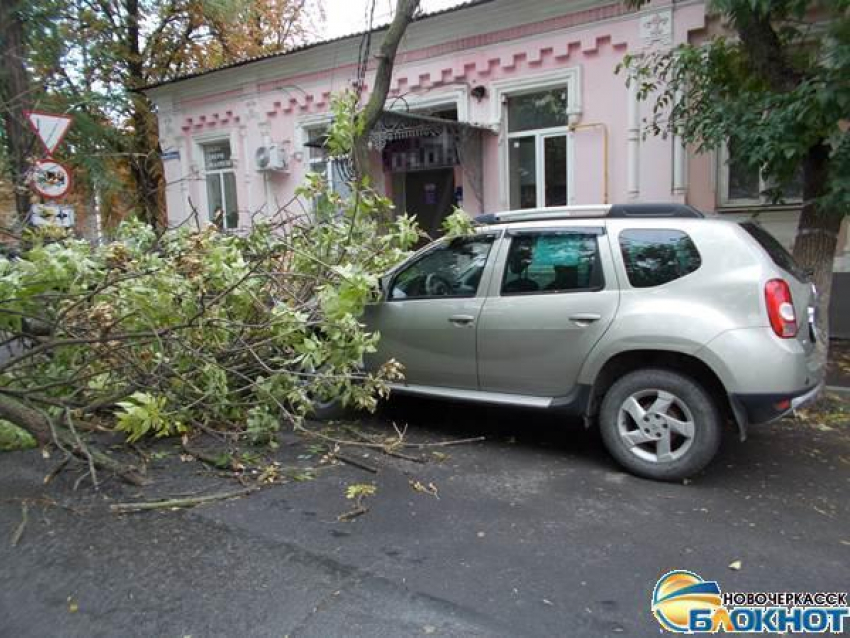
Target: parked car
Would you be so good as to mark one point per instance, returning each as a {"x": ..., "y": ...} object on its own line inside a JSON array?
[{"x": 650, "y": 321}]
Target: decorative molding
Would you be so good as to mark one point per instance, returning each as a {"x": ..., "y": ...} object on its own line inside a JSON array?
[{"x": 656, "y": 28}]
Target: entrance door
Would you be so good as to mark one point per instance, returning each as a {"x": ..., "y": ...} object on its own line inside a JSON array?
[{"x": 429, "y": 197}]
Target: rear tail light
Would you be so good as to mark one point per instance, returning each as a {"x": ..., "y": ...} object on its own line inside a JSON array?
[{"x": 780, "y": 308}]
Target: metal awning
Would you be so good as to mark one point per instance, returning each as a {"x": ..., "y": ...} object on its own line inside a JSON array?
[{"x": 402, "y": 125}]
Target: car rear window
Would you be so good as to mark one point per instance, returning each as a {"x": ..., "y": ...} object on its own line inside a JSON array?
[
  {"x": 654, "y": 257},
  {"x": 775, "y": 250}
]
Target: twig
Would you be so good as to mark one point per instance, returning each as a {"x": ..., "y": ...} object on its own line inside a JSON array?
[
  {"x": 56, "y": 470},
  {"x": 349, "y": 461},
  {"x": 85, "y": 450},
  {"x": 19, "y": 531},
  {"x": 124, "y": 508},
  {"x": 360, "y": 510},
  {"x": 399, "y": 455},
  {"x": 474, "y": 439}
]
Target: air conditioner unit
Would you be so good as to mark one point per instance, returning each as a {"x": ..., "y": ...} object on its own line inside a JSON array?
[{"x": 271, "y": 158}]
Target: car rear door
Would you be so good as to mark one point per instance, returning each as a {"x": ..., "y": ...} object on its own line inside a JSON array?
[
  {"x": 428, "y": 320},
  {"x": 551, "y": 299}
]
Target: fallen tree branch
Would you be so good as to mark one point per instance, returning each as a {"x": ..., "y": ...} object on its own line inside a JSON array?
[
  {"x": 178, "y": 503},
  {"x": 359, "y": 464},
  {"x": 419, "y": 446},
  {"x": 19, "y": 531}
]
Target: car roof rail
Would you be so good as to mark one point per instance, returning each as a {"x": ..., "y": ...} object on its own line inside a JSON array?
[{"x": 611, "y": 211}]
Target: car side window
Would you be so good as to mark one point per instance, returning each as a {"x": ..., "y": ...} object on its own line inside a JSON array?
[
  {"x": 553, "y": 262},
  {"x": 452, "y": 269},
  {"x": 654, "y": 257}
]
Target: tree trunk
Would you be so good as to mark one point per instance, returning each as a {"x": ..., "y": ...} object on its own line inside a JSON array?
[
  {"x": 817, "y": 233},
  {"x": 15, "y": 96},
  {"x": 145, "y": 164},
  {"x": 37, "y": 424},
  {"x": 26, "y": 418},
  {"x": 371, "y": 113}
]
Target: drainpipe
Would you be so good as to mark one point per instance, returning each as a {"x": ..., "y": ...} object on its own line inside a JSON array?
[
  {"x": 633, "y": 141},
  {"x": 592, "y": 126}
]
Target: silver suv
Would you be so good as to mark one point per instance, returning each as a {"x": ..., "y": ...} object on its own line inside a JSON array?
[{"x": 650, "y": 320}]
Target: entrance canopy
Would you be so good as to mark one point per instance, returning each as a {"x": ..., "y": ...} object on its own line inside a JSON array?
[{"x": 402, "y": 125}]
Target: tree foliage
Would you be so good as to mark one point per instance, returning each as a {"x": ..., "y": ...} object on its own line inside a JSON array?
[
  {"x": 727, "y": 88},
  {"x": 88, "y": 57},
  {"x": 776, "y": 82},
  {"x": 194, "y": 329}
]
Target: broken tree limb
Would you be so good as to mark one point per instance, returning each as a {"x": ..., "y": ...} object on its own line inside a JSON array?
[
  {"x": 474, "y": 439},
  {"x": 19, "y": 531},
  {"x": 359, "y": 464},
  {"x": 179, "y": 503}
]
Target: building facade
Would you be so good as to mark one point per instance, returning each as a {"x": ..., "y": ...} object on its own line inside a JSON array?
[{"x": 495, "y": 104}]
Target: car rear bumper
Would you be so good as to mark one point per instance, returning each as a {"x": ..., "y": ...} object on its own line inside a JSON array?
[{"x": 766, "y": 408}]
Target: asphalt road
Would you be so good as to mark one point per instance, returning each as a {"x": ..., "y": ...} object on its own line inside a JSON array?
[{"x": 535, "y": 533}]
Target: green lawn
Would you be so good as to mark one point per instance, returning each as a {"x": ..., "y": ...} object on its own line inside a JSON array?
[{"x": 14, "y": 438}]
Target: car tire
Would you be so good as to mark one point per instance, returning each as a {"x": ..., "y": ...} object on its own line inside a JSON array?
[
  {"x": 660, "y": 424},
  {"x": 327, "y": 410}
]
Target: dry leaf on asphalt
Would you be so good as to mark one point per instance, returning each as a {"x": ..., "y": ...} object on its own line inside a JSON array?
[{"x": 425, "y": 489}]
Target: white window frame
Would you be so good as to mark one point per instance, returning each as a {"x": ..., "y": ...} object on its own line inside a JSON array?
[
  {"x": 723, "y": 187},
  {"x": 502, "y": 90},
  {"x": 200, "y": 168}
]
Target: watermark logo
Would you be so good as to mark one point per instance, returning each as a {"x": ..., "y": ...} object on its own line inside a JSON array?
[{"x": 683, "y": 602}]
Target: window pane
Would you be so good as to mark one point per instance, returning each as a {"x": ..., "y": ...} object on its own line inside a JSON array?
[
  {"x": 450, "y": 270},
  {"x": 545, "y": 109},
  {"x": 555, "y": 160},
  {"x": 743, "y": 181},
  {"x": 217, "y": 156},
  {"x": 656, "y": 257},
  {"x": 316, "y": 139},
  {"x": 215, "y": 202},
  {"x": 523, "y": 172},
  {"x": 553, "y": 262},
  {"x": 232, "y": 217}
]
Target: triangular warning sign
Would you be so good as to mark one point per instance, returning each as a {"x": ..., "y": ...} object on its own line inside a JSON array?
[{"x": 49, "y": 127}]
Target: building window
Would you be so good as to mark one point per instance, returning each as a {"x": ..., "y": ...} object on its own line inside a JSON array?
[
  {"x": 740, "y": 185},
  {"x": 320, "y": 163},
  {"x": 221, "y": 185},
  {"x": 538, "y": 148}
]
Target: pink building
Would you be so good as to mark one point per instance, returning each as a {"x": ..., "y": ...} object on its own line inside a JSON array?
[{"x": 495, "y": 104}]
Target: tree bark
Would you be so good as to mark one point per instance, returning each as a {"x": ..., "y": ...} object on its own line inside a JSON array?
[
  {"x": 37, "y": 424},
  {"x": 14, "y": 95},
  {"x": 817, "y": 233},
  {"x": 144, "y": 157},
  {"x": 371, "y": 113}
]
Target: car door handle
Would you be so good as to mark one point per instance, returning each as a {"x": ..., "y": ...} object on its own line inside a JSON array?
[
  {"x": 585, "y": 318},
  {"x": 462, "y": 320}
]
